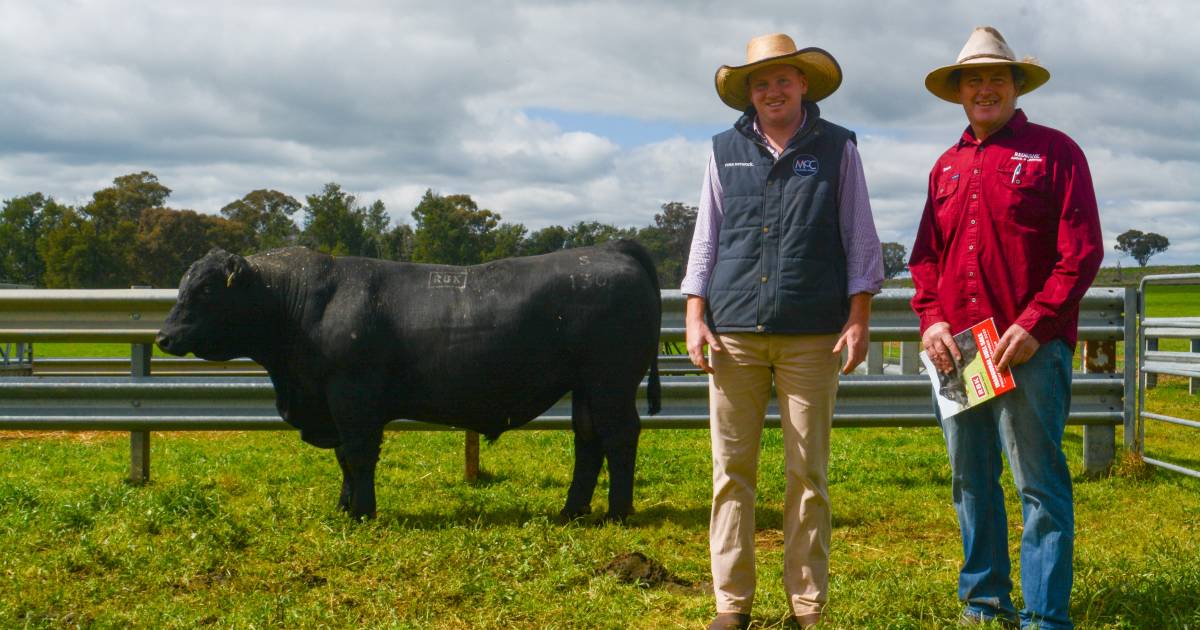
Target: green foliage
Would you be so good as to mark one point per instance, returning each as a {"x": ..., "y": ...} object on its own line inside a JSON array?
[
  {"x": 1141, "y": 246},
  {"x": 453, "y": 230},
  {"x": 169, "y": 241},
  {"x": 546, "y": 240},
  {"x": 83, "y": 253},
  {"x": 267, "y": 217},
  {"x": 669, "y": 241},
  {"x": 23, "y": 221},
  {"x": 895, "y": 259},
  {"x": 92, "y": 247},
  {"x": 336, "y": 224}
]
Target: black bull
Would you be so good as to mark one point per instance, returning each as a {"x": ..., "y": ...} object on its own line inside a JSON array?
[{"x": 352, "y": 343}]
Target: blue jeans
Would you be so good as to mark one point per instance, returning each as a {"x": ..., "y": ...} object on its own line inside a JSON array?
[{"x": 1027, "y": 423}]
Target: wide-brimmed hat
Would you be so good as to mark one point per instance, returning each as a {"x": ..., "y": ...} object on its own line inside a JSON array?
[
  {"x": 821, "y": 69},
  {"x": 985, "y": 47}
]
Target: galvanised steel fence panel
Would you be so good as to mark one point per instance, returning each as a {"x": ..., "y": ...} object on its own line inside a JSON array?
[
  {"x": 150, "y": 396},
  {"x": 1152, "y": 361}
]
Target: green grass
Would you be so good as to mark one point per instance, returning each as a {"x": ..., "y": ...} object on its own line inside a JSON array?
[{"x": 239, "y": 530}]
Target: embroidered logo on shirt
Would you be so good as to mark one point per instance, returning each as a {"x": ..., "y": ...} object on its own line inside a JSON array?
[
  {"x": 806, "y": 165},
  {"x": 947, "y": 167},
  {"x": 728, "y": 164},
  {"x": 955, "y": 176},
  {"x": 1027, "y": 157}
]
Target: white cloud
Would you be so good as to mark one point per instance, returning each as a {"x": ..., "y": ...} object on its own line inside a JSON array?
[{"x": 389, "y": 99}]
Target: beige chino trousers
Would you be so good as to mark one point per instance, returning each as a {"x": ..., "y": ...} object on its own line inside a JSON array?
[{"x": 805, "y": 372}]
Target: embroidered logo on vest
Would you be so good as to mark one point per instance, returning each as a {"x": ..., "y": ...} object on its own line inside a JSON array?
[{"x": 806, "y": 165}]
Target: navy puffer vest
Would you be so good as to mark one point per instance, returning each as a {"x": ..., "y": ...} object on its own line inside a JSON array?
[{"x": 780, "y": 263}]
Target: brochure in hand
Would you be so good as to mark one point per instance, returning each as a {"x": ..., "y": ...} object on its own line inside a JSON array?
[{"x": 973, "y": 380}]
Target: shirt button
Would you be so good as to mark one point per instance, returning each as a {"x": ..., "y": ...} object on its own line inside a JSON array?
[
  {"x": 974, "y": 196},
  {"x": 970, "y": 274},
  {"x": 970, "y": 248},
  {"x": 972, "y": 300},
  {"x": 764, "y": 278},
  {"x": 972, "y": 221},
  {"x": 976, "y": 171}
]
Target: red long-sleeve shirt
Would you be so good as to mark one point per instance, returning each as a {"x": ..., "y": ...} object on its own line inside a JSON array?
[{"x": 1010, "y": 231}]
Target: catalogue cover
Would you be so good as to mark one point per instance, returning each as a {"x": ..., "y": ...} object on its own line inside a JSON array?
[{"x": 973, "y": 380}]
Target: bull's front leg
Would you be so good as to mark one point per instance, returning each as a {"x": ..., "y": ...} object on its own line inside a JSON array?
[
  {"x": 360, "y": 454},
  {"x": 356, "y": 414}
]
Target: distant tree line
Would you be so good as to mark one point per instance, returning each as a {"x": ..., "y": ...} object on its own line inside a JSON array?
[{"x": 126, "y": 234}]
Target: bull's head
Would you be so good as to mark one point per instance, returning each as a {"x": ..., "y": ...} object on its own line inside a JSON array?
[{"x": 217, "y": 315}]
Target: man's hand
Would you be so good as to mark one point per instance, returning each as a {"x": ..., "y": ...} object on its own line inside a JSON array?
[
  {"x": 1015, "y": 347},
  {"x": 854, "y": 336},
  {"x": 856, "y": 332},
  {"x": 698, "y": 334},
  {"x": 939, "y": 344}
]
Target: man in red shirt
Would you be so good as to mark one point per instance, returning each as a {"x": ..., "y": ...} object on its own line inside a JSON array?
[{"x": 1010, "y": 231}]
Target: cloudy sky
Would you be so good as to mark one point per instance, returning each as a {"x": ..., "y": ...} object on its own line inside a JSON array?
[{"x": 557, "y": 112}]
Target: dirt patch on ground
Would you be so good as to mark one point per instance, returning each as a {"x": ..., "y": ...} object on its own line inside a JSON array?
[{"x": 635, "y": 568}]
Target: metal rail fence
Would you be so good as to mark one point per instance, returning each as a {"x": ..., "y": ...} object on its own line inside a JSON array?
[
  {"x": 66, "y": 395},
  {"x": 1153, "y": 361}
]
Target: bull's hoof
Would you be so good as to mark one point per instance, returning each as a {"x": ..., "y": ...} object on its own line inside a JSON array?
[
  {"x": 365, "y": 516},
  {"x": 568, "y": 515},
  {"x": 617, "y": 518}
]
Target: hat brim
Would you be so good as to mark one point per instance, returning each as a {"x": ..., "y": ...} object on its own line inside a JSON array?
[
  {"x": 939, "y": 84},
  {"x": 819, "y": 67}
]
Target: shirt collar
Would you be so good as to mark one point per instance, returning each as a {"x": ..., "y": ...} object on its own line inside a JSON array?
[{"x": 1014, "y": 126}]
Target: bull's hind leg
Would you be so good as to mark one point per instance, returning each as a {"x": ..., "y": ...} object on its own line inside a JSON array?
[
  {"x": 620, "y": 441},
  {"x": 613, "y": 410},
  {"x": 347, "y": 486},
  {"x": 589, "y": 457}
]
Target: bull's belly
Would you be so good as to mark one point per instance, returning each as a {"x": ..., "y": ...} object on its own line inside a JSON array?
[{"x": 483, "y": 409}]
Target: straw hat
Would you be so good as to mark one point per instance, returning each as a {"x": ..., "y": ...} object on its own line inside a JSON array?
[
  {"x": 985, "y": 47},
  {"x": 819, "y": 67}
]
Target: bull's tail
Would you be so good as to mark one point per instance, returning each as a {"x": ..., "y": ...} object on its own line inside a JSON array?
[{"x": 639, "y": 253}]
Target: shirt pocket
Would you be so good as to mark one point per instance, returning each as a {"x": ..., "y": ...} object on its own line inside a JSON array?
[
  {"x": 943, "y": 201},
  {"x": 1020, "y": 195}
]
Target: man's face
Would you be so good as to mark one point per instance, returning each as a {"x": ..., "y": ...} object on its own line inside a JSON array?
[
  {"x": 988, "y": 95},
  {"x": 776, "y": 93}
]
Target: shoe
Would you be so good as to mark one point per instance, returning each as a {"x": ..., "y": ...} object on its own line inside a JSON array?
[
  {"x": 730, "y": 621},
  {"x": 971, "y": 617},
  {"x": 806, "y": 621}
]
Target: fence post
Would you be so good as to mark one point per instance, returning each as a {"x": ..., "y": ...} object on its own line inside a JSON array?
[
  {"x": 1194, "y": 383},
  {"x": 875, "y": 357},
  {"x": 909, "y": 357},
  {"x": 1099, "y": 441},
  {"x": 472, "y": 457},
  {"x": 139, "y": 441},
  {"x": 1151, "y": 378},
  {"x": 1132, "y": 365}
]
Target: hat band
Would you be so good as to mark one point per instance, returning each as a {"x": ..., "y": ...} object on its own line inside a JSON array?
[{"x": 987, "y": 56}]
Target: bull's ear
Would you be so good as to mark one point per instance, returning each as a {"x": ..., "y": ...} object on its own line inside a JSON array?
[{"x": 236, "y": 269}]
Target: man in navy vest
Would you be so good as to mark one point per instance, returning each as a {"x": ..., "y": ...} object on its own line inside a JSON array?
[{"x": 784, "y": 261}]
